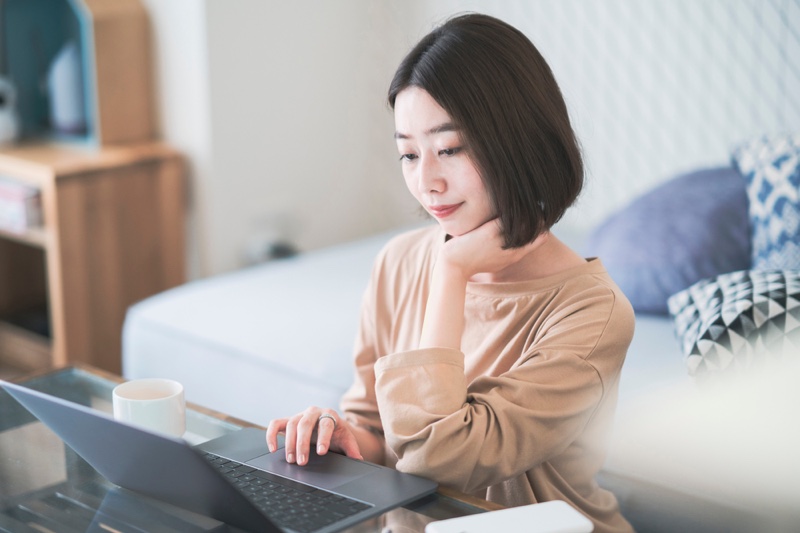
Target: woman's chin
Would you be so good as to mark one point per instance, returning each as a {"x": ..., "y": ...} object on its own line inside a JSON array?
[{"x": 455, "y": 229}]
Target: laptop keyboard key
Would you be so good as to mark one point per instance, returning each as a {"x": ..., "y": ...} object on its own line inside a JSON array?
[{"x": 288, "y": 503}]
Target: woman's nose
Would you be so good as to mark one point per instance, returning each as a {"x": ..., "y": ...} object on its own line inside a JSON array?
[{"x": 430, "y": 177}]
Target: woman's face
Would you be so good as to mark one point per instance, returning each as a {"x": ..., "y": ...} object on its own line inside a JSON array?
[{"x": 436, "y": 165}]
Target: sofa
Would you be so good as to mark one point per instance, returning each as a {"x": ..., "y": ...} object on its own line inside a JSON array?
[{"x": 687, "y": 453}]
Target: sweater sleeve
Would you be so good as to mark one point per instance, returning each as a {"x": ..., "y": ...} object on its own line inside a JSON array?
[
  {"x": 473, "y": 435},
  {"x": 359, "y": 404},
  {"x": 376, "y": 336}
]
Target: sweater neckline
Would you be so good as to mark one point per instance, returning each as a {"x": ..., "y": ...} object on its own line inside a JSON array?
[{"x": 592, "y": 266}]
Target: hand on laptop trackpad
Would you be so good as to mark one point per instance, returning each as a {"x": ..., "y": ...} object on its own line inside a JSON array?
[{"x": 324, "y": 471}]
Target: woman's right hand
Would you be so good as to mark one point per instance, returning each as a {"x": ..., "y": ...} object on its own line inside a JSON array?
[
  {"x": 323, "y": 427},
  {"x": 481, "y": 250}
]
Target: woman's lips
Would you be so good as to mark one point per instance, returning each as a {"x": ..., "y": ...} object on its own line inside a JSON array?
[{"x": 443, "y": 211}]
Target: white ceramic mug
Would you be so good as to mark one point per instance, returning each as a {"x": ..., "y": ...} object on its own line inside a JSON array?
[{"x": 154, "y": 403}]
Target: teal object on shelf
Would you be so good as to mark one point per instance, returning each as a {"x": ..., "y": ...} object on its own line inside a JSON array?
[{"x": 32, "y": 34}]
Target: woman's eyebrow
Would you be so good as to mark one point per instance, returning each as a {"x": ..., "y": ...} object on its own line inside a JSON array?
[{"x": 443, "y": 127}]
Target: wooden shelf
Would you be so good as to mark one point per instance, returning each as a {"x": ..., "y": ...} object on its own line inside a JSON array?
[
  {"x": 113, "y": 234},
  {"x": 113, "y": 200},
  {"x": 36, "y": 237},
  {"x": 23, "y": 349},
  {"x": 37, "y": 162}
]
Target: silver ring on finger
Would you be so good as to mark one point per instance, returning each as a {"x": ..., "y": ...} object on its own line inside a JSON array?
[{"x": 327, "y": 415}]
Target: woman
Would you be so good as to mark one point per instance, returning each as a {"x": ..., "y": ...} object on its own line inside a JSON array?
[{"x": 489, "y": 353}]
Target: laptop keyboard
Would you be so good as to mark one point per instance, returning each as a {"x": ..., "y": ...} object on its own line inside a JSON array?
[{"x": 287, "y": 503}]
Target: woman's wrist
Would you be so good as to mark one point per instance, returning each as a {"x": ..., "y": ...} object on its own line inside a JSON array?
[
  {"x": 446, "y": 271},
  {"x": 443, "y": 325}
]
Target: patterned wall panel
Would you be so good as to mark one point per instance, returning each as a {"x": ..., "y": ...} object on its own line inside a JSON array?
[{"x": 656, "y": 87}]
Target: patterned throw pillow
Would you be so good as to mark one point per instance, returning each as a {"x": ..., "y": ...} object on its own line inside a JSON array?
[
  {"x": 738, "y": 320},
  {"x": 771, "y": 168}
]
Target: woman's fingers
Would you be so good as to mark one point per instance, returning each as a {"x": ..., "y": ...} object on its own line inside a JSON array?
[
  {"x": 481, "y": 250},
  {"x": 349, "y": 447},
  {"x": 301, "y": 431},
  {"x": 305, "y": 433},
  {"x": 275, "y": 427},
  {"x": 314, "y": 425},
  {"x": 333, "y": 432},
  {"x": 290, "y": 442},
  {"x": 326, "y": 425}
]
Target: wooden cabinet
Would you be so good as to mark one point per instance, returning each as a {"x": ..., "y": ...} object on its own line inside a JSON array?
[
  {"x": 112, "y": 199},
  {"x": 113, "y": 233}
]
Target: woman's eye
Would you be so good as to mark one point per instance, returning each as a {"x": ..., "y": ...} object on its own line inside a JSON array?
[
  {"x": 408, "y": 157},
  {"x": 450, "y": 151}
]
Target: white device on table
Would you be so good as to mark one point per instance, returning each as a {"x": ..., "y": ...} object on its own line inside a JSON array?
[{"x": 549, "y": 517}]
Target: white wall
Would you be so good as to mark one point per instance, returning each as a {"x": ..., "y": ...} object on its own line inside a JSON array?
[
  {"x": 184, "y": 103},
  {"x": 279, "y": 104},
  {"x": 280, "y": 107},
  {"x": 656, "y": 87}
]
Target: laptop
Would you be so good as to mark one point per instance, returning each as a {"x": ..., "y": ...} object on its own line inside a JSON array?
[{"x": 234, "y": 478}]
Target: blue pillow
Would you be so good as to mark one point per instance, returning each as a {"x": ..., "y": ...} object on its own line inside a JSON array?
[
  {"x": 693, "y": 226},
  {"x": 771, "y": 169}
]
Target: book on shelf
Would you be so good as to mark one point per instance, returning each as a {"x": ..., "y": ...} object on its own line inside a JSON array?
[{"x": 20, "y": 206}]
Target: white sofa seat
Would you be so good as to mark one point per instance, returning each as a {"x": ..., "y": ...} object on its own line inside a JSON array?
[{"x": 259, "y": 343}]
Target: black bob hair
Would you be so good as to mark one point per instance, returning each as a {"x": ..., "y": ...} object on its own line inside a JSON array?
[{"x": 503, "y": 98}]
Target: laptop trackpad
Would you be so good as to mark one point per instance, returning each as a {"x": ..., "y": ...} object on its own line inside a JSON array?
[{"x": 323, "y": 471}]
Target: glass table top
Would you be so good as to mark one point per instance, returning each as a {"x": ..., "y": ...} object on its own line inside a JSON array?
[{"x": 46, "y": 487}]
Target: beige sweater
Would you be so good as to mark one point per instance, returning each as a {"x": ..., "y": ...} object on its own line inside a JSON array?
[{"x": 522, "y": 415}]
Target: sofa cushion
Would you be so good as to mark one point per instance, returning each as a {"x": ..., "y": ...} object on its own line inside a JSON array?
[
  {"x": 735, "y": 321},
  {"x": 692, "y": 227},
  {"x": 771, "y": 167}
]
